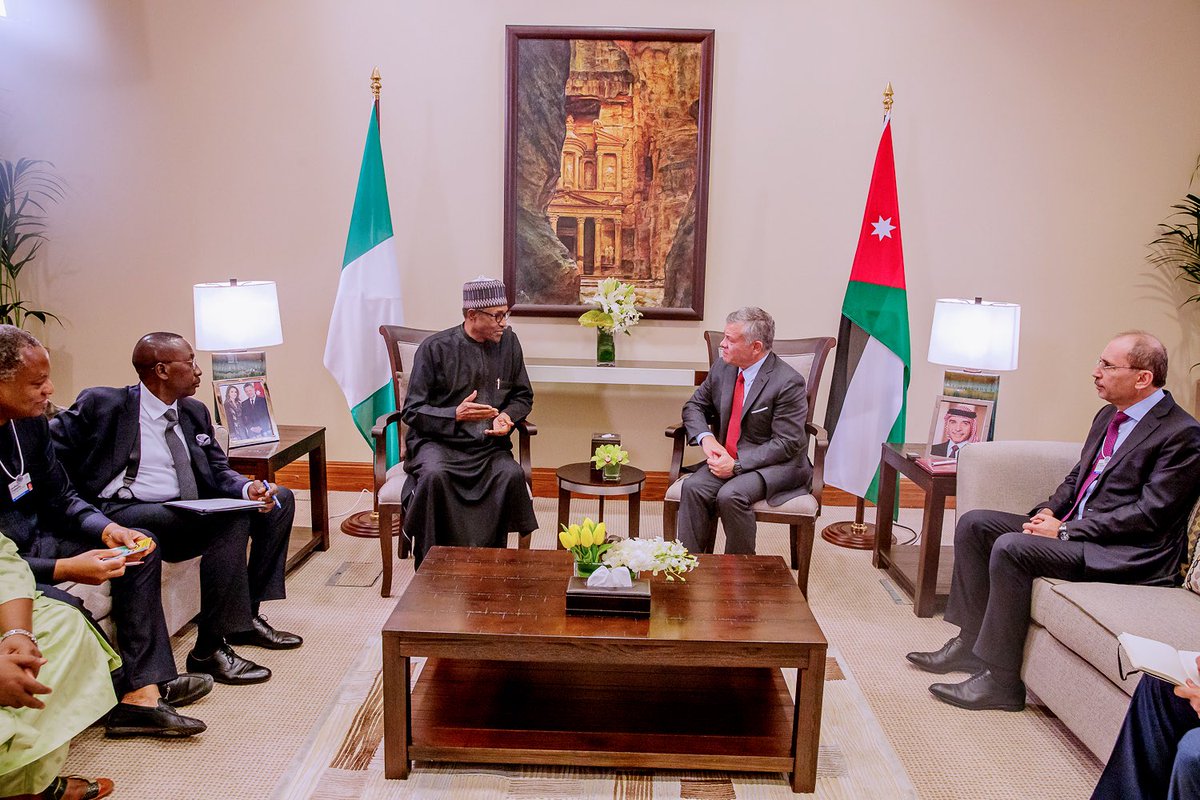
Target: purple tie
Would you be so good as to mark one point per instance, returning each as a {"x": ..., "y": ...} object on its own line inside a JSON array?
[{"x": 1106, "y": 451}]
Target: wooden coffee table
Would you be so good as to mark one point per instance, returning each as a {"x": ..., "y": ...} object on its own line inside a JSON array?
[{"x": 511, "y": 678}]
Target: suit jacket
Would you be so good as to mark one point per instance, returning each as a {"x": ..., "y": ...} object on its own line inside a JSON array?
[
  {"x": 254, "y": 415},
  {"x": 48, "y": 520},
  {"x": 773, "y": 440},
  {"x": 94, "y": 437},
  {"x": 1133, "y": 523},
  {"x": 943, "y": 449}
]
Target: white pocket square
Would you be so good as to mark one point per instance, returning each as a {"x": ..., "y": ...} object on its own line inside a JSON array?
[
  {"x": 203, "y": 439},
  {"x": 755, "y": 411}
]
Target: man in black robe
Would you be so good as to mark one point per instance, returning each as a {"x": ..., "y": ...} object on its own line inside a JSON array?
[{"x": 466, "y": 392}]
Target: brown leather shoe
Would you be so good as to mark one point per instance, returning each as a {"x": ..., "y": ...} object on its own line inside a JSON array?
[{"x": 77, "y": 787}]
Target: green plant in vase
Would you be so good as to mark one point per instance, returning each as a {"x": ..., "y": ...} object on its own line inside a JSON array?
[
  {"x": 587, "y": 543},
  {"x": 26, "y": 188},
  {"x": 608, "y": 458},
  {"x": 617, "y": 314}
]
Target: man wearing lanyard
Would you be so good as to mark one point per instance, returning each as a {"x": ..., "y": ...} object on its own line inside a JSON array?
[
  {"x": 64, "y": 538},
  {"x": 1118, "y": 517},
  {"x": 748, "y": 416},
  {"x": 131, "y": 449}
]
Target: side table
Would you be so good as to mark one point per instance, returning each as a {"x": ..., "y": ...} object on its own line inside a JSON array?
[
  {"x": 262, "y": 461},
  {"x": 578, "y": 478},
  {"x": 914, "y": 568}
]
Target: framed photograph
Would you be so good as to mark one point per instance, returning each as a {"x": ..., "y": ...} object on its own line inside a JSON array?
[
  {"x": 958, "y": 421},
  {"x": 244, "y": 408},
  {"x": 606, "y": 167}
]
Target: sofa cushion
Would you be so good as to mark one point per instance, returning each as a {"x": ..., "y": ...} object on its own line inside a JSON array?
[
  {"x": 804, "y": 504},
  {"x": 1086, "y": 618}
]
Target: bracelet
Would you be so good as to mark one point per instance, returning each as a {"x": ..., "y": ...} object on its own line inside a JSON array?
[{"x": 19, "y": 632}]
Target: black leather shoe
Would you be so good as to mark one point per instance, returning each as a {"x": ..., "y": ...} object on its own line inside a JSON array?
[
  {"x": 226, "y": 666},
  {"x": 127, "y": 719},
  {"x": 955, "y": 656},
  {"x": 186, "y": 689},
  {"x": 263, "y": 635},
  {"x": 981, "y": 692}
]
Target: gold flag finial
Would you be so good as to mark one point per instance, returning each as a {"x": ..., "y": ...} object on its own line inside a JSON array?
[
  {"x": 887, "y": 98},
  {"x": 375, "y": 84}
]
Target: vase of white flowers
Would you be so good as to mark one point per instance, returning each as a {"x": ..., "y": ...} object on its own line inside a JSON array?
[
  {"x": 650, "y": 555},
  {"x": 616, "y": 314}
]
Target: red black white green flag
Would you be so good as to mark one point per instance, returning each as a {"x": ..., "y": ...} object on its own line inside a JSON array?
[{"x": 868, "y": 396}]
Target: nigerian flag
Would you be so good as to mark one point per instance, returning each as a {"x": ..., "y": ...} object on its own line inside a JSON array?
[
  {"x": 871, "y": 368},
  {"x": 368, "y": 296}
]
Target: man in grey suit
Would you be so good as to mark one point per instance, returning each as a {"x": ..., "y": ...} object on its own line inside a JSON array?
[
  {"x": 749, "y": 417},
  {"x": 1118, "y": 517}
]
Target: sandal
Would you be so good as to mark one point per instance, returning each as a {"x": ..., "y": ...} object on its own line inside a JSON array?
[{"x": 92, "y": 790}]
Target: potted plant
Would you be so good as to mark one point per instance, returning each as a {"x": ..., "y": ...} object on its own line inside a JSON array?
[
  {"x": 608, "y": 458},
  {"x": 26, "y": 188},
  {"x": 617, "y": 314}
]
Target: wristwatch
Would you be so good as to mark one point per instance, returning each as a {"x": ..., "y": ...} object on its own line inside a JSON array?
[
  {"x": 1062, "y": 533},
  {"x": 737, "y": 468}
]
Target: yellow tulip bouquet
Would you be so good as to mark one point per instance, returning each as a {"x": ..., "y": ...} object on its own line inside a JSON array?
[{"x": 587, "y": 543}]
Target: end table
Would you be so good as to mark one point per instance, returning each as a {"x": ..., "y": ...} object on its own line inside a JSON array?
[
  {"x": 262, "y": 461},
  {"x": 578, "y": 478}
]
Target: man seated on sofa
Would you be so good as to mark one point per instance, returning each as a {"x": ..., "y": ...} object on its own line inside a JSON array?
[
  {"x": 1157, "y": 753},
  {"x": 63, "y": 538},
  {"x": 131, "y": 449},
  {"x": 1118, "y": 517}
]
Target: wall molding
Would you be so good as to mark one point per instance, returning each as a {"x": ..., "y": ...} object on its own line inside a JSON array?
[{"x": 354, "y": 476}]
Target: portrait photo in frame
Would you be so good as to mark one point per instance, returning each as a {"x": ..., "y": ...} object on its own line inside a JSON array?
[
  {"x": 606, "y": 167},
  {"x": 244, "y": 408},
  {"x": 957, "y": 422}
]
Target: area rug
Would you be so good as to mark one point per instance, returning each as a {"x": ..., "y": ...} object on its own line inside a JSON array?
[{"x": 343, "y": 758}]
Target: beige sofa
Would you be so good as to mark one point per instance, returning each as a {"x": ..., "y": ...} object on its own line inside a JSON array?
[{"x": 1071, "y": 651}]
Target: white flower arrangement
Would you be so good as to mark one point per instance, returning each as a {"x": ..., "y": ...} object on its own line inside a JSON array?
[
  {"x": 617, "y": 312},
  {"x": 651, "y": 555}
]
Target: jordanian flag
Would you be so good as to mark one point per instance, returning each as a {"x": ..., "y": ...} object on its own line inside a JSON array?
[
  {"x": 871, "y": 369},
  {"x": 368, "y": 296}
]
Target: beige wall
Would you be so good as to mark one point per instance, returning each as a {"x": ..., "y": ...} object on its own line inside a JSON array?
[{"x": 1037, "y": 145}]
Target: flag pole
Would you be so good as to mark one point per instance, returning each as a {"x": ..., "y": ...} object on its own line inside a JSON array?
[
  {"x": 859, "y": 534},
  {"x": 365, "y": 524}
]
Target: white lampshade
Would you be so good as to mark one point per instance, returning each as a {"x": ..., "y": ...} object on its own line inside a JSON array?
[
  {"x": 237, "y": 315},
  {"x": 975, "y": 335}
]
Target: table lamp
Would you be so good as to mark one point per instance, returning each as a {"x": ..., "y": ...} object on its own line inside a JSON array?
[
  {"x": 981, "y": 338},
  {"x": 234, "y": 320}
]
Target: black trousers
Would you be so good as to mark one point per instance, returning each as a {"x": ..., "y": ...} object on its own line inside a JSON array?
[
  {"x": 1157, "y": 754},
  {"x": 704, "y": 498},
  {"x": 995, "y": 564},
  {"x": 137, "y": 613},
  {"x": 230, "y": 587}
]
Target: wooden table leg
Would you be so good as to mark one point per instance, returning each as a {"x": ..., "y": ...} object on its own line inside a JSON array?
[
  {"x": 806, "y": 732},
  {"x": 925, "y": 588},
  {"x": 635, "y": 515},
  {"x": 600, "y": 514},
  {"x": 564, "y": 512},
  {"x": 883, "y": 512},
  {"x": 319, "y": 492},
  {"x": 397, "y": 710}
]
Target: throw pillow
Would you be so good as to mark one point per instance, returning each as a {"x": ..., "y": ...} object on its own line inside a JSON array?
[{"x": 1191, "y": 578}]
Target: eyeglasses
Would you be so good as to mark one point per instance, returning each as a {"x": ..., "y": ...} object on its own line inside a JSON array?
[
  {"x": 499, "y": 316},
  {"x": 190, "y": 361},
  {"x": 1104, "y": 365}
]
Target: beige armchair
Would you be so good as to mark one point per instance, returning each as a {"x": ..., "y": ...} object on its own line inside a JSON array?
[
  {"x": 806, "y": 356},
  {"x": 402, "y": 344}
]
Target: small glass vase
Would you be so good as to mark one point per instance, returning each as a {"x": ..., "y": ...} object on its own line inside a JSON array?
[
  {"x": 584, "y": 569},
  {"x": 612, "y": 472},
  {"x": 606, "y": 349}
]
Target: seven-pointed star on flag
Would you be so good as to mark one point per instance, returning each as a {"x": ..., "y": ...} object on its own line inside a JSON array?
[{"x": 883, "y": 228}]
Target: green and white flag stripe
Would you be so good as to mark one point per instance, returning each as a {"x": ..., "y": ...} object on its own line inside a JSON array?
[{"x": 368, "y": 296}]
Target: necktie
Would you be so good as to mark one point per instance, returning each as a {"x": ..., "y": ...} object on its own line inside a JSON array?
[
  {"x": 1106, "y": 451},
  {"x": 735, "y": 415},
  {"x": 954, "y": 451},
  {"x": 179, "y": 454}
]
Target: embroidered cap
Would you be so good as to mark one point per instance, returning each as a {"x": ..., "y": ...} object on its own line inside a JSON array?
[{"x": 484, "y": 292}]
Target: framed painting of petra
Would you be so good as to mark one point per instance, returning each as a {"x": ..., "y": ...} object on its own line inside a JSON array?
[{"x": 606, "y": 167}]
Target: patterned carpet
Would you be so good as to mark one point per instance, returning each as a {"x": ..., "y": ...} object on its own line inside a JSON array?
[{"x": 343, "y": 759}]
